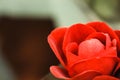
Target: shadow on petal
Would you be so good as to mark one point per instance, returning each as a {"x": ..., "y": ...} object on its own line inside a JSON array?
[
  {"x": 86, "y": 75},
  {"x": 117, "y": 71},
  {"x": 59, "y": 72}
]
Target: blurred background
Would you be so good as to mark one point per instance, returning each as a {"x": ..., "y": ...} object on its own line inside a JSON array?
[{"x": 25, "y": 25}]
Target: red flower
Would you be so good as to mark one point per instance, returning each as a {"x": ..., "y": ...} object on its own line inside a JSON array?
[{"x": 86, "y": 51}]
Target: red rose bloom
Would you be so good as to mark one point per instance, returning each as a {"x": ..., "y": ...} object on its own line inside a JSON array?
[{"x": 86, "y": 51}]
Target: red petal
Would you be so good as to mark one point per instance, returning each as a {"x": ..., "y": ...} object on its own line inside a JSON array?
[
  {"x": 97, "y": 35},
  {"x": 105, "y": 65},
  {"x": 111, "y": 52},
  {"x": 105, "y": 77},
  {"x": 73, "y": 48},
  {"x": 72, "y": 58},
  {"x": 86, "y": 75},
  {"x": 59, "y": 72},
  {"x": 103, "y": 27},
  {"x": 77, "y": 33},
  {"x": 108, "y": 41},
  {"x": 118, "y": 33},
  {"x": 104, "y": 38},
  {"x": 71, "y": 51},
  {"x": 55, "y": 40}
]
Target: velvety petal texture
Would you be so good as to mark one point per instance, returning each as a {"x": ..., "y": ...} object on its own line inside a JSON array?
[{"x": 86, "y": 51}]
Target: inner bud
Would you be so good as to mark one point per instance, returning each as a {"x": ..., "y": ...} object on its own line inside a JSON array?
[{"x": 90, "y": 48}]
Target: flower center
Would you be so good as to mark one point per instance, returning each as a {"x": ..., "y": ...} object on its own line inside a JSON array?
[{"x": 90, "y": 48}]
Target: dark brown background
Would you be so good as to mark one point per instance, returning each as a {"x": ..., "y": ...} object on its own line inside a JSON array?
[{"x": 24, "y": 45}]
